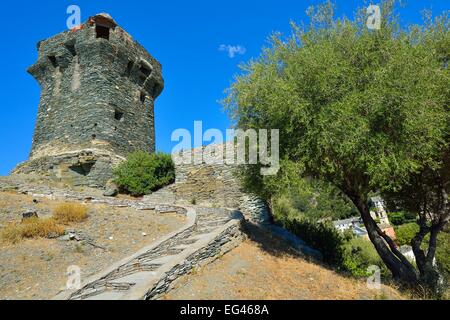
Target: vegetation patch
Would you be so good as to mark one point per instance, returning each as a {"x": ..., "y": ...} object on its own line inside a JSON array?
[
  {"x": 142, "y": 173},
  {"x": 66, "y": 213},
  {"x": 31, "y": 228}
]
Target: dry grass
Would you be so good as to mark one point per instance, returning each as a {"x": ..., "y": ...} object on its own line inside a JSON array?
[
  {"x": 70, "y": 212},
  {"x": 63, "y": 213},
  {"x": 31, "y": 228}
]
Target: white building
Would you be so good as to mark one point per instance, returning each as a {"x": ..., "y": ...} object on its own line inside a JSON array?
[{"x": 380, "y": 211}]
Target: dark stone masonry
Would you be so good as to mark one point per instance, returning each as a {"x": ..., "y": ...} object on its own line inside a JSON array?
[{"x": 98, "y": 88}]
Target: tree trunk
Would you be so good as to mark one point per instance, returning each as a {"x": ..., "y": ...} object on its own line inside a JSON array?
[
  {"x": 429, "y": 273},
  {"x": 400, "y": 267}
]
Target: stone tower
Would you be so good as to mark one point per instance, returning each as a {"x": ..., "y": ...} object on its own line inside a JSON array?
[{"x": 98, "y": 88}]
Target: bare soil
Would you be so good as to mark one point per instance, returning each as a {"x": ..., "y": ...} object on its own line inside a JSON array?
[{"x": 36, "y": 268}]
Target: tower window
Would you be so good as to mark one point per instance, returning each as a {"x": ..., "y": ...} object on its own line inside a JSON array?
[
  {"x": 53, "y": 61},
  {"x": 71, "y": 48},
  {"x": 156, "y": 90},
  {"x": 102, "y": 32},
  {"x": 145, "y": 70},
  {"x": 118, "y": 115},
  {"x": 83, "y": 169},
  {"x": 130, "y": 67},
  {"x": 143, "y": 96}
]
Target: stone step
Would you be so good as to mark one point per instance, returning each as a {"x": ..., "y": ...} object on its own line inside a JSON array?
[
  {"x": 163, "y": 260},
  {"x": 204, "y": 230},
  {"x": 131, "y": 269},
  {"x": 214, "y": 223},
  {"x": 133, "y": 278},
  {"x": 182, "y": 246}
]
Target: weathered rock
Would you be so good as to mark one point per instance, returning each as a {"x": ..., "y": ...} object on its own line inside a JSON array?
[
  {"x": 29, "y": 215},
  {"x": 65, "y": 237},
  {"x": 72, "y": 236},
  {"x": 52, "y": 235},
  {"x": 112, "y": 189}
]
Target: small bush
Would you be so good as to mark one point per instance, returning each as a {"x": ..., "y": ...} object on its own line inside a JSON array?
[
  {"x": 31, "y": 228},
  {"x": 143, "y": 173},
  {"x": 284, "y": 210},
  {"x": 70, "y": 212}
]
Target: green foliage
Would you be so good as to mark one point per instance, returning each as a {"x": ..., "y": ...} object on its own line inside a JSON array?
[
  {"x": 399, "y": 218},
  {"x": 359, "y": 254},
  {"x": 143, "y": 173},
  {"x": 343, "y": 251},
  {"x": 321, "y": 236},
  {"x": 405, "y": 233},
  {"x": 303, "y": 197},
  {"x": 350, "y": 103},
  {"x": 443, "y": 254}
]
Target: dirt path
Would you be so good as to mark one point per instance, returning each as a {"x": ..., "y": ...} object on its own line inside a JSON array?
[{"x": 264, "y": 268}]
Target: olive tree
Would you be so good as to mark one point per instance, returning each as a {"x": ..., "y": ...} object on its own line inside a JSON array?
[{"x": 366, "y": 110}]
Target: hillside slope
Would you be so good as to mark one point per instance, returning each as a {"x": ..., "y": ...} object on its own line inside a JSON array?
[{"x": 265, "y": 268}]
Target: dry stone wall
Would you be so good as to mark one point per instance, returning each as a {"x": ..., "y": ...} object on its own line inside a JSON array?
[{"x": 212, "y": 185}]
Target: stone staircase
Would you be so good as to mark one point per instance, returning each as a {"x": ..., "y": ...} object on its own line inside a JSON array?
[{"x": 153, "y": 270}]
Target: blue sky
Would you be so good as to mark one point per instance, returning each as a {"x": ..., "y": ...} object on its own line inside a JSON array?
[{"x": 185, "y": 36}]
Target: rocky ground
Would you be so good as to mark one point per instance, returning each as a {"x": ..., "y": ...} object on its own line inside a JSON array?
[
  {"x": 265, "y": 268},
  {"x": 36, "y": 268}
]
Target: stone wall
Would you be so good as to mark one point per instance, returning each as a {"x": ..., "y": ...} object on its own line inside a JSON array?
[
  {"x": 212, "y": 185},
  {"x": 79, "y": 168}
]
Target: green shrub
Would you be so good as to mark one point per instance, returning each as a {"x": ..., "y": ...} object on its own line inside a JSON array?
[
  {"x": 283, "y": 209},
  {"x": 143, "y": 173},
  {"x": 321, "y": 236},
  {"x": 359, "y": 254}
]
